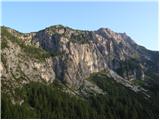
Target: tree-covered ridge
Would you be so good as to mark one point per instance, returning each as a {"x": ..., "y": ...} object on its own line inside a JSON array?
[
  {"x": 48, "y": 101},
  {"x": 43, "y": 101},
  {"x": 135, "y": 105}
]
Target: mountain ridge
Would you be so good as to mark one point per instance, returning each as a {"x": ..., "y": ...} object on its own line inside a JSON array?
[
  {"x": 123, "y": 33},
  {"x": 67, "y": 56}
]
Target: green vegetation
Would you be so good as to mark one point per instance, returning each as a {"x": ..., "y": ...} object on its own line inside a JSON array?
[
  {"x": 124, "y": 102},
  {"x": 3, "y": 43},
  {"x": 42, "y": 101},
  {"x": 138, "y": 82},
  {"x": 37, "y": 53},
  {"x": 8, "y": 36},
  {"x": 30, "y": 50},
  {"x": 81, "y": 37},
  {"x": 48, "y": 101},
  {"x": 127, "y": 65},
  {"x": 39, "y": 100},
  {"x": 153, "y": 89},
  {"x": 3, "y": 39},
  {"x": 135, "y": 56}
]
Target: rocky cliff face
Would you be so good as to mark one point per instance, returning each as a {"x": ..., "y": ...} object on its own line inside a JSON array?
[{"x": 71, "y": 56}]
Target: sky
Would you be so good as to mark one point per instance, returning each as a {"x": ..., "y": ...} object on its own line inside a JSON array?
[{"x": 137, "y": 19}]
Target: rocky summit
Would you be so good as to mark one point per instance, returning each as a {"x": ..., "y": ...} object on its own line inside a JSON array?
[{"x": 87, "y": 66}]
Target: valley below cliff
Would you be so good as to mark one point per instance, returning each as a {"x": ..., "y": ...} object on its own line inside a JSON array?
[{"x": 60, "y": 72}]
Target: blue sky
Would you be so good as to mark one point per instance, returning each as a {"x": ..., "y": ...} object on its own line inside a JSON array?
[{"x": 138, "y": 19}]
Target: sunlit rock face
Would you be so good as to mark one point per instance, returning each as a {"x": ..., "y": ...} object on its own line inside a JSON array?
[
  {"x": 84, "y": 52},
  {"x": 74, "y": 55}
]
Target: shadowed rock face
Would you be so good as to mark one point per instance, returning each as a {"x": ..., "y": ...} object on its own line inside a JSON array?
[
  {"x": 86, "y": 52},
  {"x": 75, "y": 55}
]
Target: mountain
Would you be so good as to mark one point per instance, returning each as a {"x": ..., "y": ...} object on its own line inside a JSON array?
[{"x": 60, "y": 72}]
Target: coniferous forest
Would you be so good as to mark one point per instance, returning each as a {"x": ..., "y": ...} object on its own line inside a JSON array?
[
  {"x": 49, "y": 101},
  {"x": 79, "y": 60}
]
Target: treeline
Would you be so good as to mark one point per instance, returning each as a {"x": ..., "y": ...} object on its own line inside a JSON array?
[{"x": 48, "y": 101}]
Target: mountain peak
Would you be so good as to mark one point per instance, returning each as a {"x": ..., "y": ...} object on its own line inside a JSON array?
[{"x": 87, "y": 63}]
